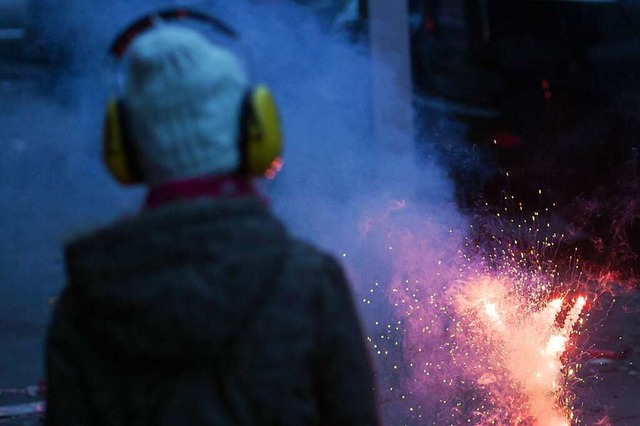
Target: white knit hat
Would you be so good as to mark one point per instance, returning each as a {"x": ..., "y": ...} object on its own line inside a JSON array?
[{"x": 183, "y": 97}]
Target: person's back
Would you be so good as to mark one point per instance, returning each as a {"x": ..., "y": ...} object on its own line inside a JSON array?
[{"x": 201, "y": 310}]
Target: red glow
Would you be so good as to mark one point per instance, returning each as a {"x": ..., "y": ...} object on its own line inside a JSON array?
[
  {"x": 608, "y": 354},
  {"x": 277, "y": 164},
  {"x": 544, "y": 84},
  {"x": 274, "y": 168},
  {"x": 547, "y": 95},
  {"x": 506, "y": 139},
  {"x": 429, "y": 24}
]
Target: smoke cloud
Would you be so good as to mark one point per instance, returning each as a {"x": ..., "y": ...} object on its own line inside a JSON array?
[{"x": 389, "y": 216}]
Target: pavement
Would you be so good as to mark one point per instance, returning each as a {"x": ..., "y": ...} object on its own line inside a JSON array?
[{"x": 608, "y": 393}]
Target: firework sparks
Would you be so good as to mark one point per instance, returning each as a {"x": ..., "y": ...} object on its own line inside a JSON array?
[
  {"x": 478, "y": 339},
  {"x": 523, "y": 348}
]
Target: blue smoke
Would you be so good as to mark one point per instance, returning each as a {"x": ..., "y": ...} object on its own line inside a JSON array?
[{"x": 336, "y": 180}]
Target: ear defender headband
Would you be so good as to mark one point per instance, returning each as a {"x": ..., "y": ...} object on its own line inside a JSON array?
[{"x": 260, "y": 142}]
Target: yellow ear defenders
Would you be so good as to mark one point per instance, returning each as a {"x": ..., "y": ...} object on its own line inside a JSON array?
[
  {"x": 117, "y": 150},
  {"x": 260, "y": 141}
]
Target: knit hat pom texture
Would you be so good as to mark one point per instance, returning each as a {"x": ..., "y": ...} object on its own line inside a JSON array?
[{"x": 183, "y": 96}]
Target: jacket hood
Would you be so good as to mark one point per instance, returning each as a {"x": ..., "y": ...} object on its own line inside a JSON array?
[{"x": 168, "y": 283}]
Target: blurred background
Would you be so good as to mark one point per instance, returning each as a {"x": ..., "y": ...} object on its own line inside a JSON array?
[
  {"x": 543, "y": 95},
  {"x": 467, "y": 109}
]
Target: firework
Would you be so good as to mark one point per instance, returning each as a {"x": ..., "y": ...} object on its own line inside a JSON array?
[
  {"x": 519, "y": 351},
  {"x": 482, "y": 338}
]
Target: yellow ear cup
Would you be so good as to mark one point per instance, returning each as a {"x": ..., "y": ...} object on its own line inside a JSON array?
[
  {"x": 263, "y": 134},
  {"x": 116, "y": 152}
]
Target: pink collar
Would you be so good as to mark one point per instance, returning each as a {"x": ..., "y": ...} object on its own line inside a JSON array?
[{"x": 224, "y": 186}]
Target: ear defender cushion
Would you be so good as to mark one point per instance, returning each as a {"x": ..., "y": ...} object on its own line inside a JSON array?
[
  {"x": 261, "y": 132},
  {"x": 118, "y": 153}
]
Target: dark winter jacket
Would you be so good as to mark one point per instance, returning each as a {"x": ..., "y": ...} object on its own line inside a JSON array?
[{"x": 205, "y": 313}]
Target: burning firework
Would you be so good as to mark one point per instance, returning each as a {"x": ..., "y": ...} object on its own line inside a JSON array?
[
  {"x": 468, "y": 341},
  {"x": 522, "y": 357}
]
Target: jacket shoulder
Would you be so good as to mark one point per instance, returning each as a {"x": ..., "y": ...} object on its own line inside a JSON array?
[
  {"x": 305, "y": 255},
  {"x": 310, "y": 267}
]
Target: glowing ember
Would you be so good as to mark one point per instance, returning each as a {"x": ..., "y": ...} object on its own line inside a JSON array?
[
  {"x": 523, "y": 348},
  {"x": 481, "y": 336}
]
